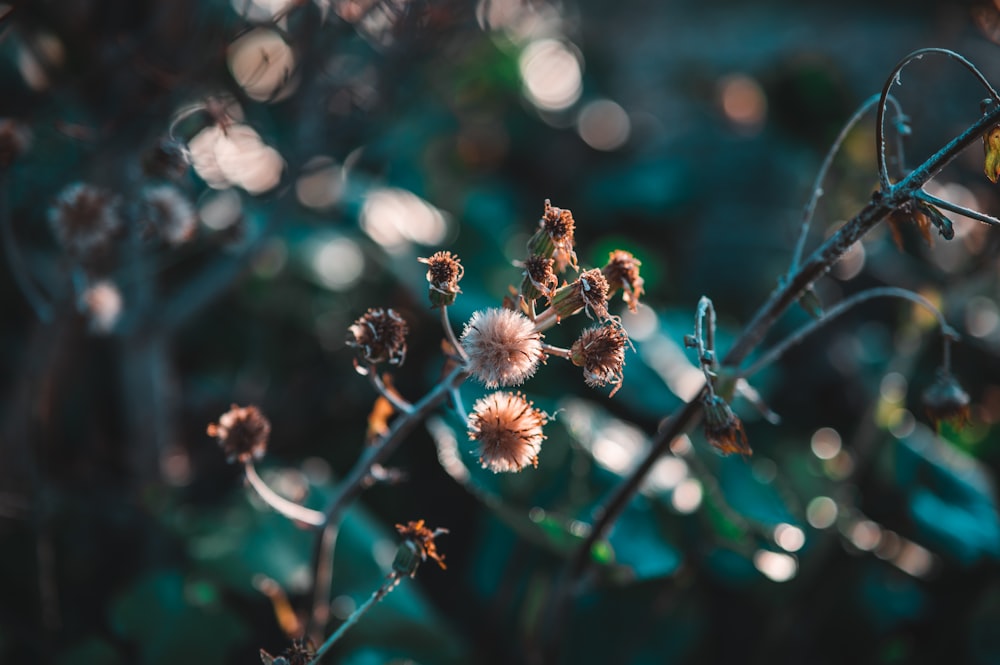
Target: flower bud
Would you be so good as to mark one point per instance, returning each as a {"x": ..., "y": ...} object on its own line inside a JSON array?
[
  {"x": 589, "y": 292},
  {"x": 539, "y": 278},
  {"x": 443, "y": 274},
  {"x": 946, "y": 401},
  {"x": 418, "y": 545},
  {"x": 723, "y": 429},
  {"x": 600, "y": 351},
  {"x": 379, "y": 336},
  {"x": 554, "y": 238},
  {"x": 622, "y": 272}
]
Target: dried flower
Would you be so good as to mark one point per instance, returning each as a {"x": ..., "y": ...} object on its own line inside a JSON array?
[
  {"x": 102, "y": 302},
  {"x": 991, "y": 146},
  {"x": 167, "y": 212},
  {"x": 380, "y": 336},
  {"x": 503, "y": 347},
  {"x": 924, "y": 216},
  {"x": 554, "y": 237},
  {"x": 723, "y": 428},
  {"x": 946, "y": 401},
  {"x": 168, "y": 159},
  {"x": 84, "y": 218},
  {"x": 15, "y": 139},
  {"x": 300, "y": 653},
  {"x": 509, "y": 431},
  {"x": 418, "y": 546},
  {"x": 443, "y": 274},
  {"x": 242, "y": 432},
  {"x": 539, "y": 278},
  {"x": 600, "y": 351},
  {"x": 622, "y": 272},
  {"x": 589, "y": 292}
]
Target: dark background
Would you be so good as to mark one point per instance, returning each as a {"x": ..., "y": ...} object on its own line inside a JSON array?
[{"x": 126, "y": 538}]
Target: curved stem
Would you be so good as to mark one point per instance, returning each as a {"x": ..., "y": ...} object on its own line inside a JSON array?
[
  {"x": 289, "y": 509},
  {"x": 955, "y": 208},
  {"x": 894, "y": 78},
  {"x": 449, "y": 333},
  {"x": 394, "y": 398},
  {"x": 43, "y": 310},
  {"x": 881, "y": 292},
  {"x": 392, "y": 581},
  {"x": 704, "y": 335}
]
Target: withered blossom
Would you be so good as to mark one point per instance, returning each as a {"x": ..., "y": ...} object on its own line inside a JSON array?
[
  {"x": 924, "y": 216},
  {"x": 555, "y": 237},
  {"x": 84, "y": 218},
  {"x": 539, "y": 278},
  {"x": 165, "y": 211},
  {"x": 946, "y": 401},
  {"x": 444, "y": 271},
  {"x": 379, "y": 336},
  {"x": 418, "y": 546},
  {"x": 600, "y": 351},
  {"x": 723, "y": 428},
  {"x": 589, "y": 292},
  {"x": 502, "y": 346},
  {"x": 622, "y": 272},
  {"x": 242, "y": 432},
  {"x": 299, "y": 653},
  {"x": 509, "y": 431}
]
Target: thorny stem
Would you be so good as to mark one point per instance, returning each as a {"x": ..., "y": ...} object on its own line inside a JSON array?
[
  {"x": 391, "y": 582},
  {"x": 289, "y": 509},
  {"x": 955, "y": 208},
  {"x": 893, "y": 78},
  {"x": 704, "y": 335},
  {"x": 394, "y": 398},
  {"x": 450, "y": 335},
  {"x": 359, "y": 478},
  {"x": 31, "y": 293},
  {"x": 881, "y": 292},
  {"x": 819, "y": 263}
]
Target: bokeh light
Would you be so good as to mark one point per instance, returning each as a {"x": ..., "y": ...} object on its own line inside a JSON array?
[
  {"x": 821, "y": 512},
  {"x": 743, "y": 102},
  {"x": 263, "y": 64},
  {"x": 395, "y": 218},
  {"x": 825, "y": 443},
  {"x": 552, "y": 74},
  {"x": 687, "y": 496},
  {"x": 603, "y": 125},
  {"x": 789, "y": 537},
  {"x": 775, "y": 566}
]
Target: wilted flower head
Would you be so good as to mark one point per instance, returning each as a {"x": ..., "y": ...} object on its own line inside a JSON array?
[
  {"x": 946, "y": 401},
  {"x": 168, "y": 213},
  {"x": 444, "y": 271},
  {"x": 600, "y": 351},
  {"x": 15, "y": 139},
  {"x": 418, "y": 546},
  {"x": 555, "y": 237},
  {"x": 924, "y": 216},
  {"x": 991, "y": 146},
  {"x": 622, "y": 272},
  {"x": 539, "y": 278},
  {"x": 102, "y": 302},
  {"x": 723, "y": 429},
  {"x": 379, "y": 336},
  {"x": 589, "y": 292},
  {"x": 84, "y": 218},
  {"x": 168, "y": 159},
  {"x": 242, "y": 432},
  {"x": 300, "y": 653},
  {"x": 509, "y": 431},
  {"x": 503, "y": 347}
]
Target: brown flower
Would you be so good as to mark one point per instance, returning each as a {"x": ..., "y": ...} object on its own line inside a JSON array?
[
  {"x": 622, "y": 272},
  {"x": 554, "y": 237},
  {"x": 300, "y": 653},
  {"x": 165, "y": 211},
  {"x": 589, "y": 292},
  {"x": 509, "y": 431},
  {"x": 600, "y": 351},
  {"x": 723, "y": 429},
  {"x": 379, "y": 336},
  {"x": 539, "y": 279},
  {"x": 242, "y": 432},
  {"x": 503, "y": 347},
  {"x": 946, "y": 401},
  {"x": 418, "y": 546},
  {"x": 84, "y": 218},
  {"x": 444, "y": 271},
  {"x": 924, "y": 216}
]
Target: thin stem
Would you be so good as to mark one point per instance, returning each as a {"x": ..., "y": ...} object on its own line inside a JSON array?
[
  {"x": 893, "y": 78},
  {"x": 392, "y": 581},
  {"x": 38, "y": 302},
  {"x": 955, "y": 208},
  {"x": 546, "y": 320},
  {"x": 394, "y": 398},
  {"x": 356, "y": 481},
  {"x": 881, "y": 292},
  {"x": 557, "y": 351},
  {"x": 450, "y": 335},
  {"x": 289, "y": 509},
  {"x": 704, "y": 335}
]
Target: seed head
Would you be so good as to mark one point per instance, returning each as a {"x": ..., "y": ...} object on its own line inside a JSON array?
[
  {"x": 168, "y": 213},
  {"x": 622, "y": 272},
  {"x": 15, "y": 139},
  {"x": 589, "y": 292},
  {"x": 84, "y": 218},
  {"x": 242, "y": 432},
  {"x": 539, "y": 278},
  {"x": 600, "y": 351},
  {"x": 503, "y": 347},
  {"x": 443, "y": 274},
  {"x": 418, "y": 546},
  {"x": 946, "y": 401},
  {"x": 509, "y": 431},
  {"x": 379, "y": 336},
  {"x": 554, "y": 237},
  {"x": 723, "y": 429}
]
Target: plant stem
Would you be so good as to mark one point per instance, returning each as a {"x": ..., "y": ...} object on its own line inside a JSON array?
[
  {"x": 394, "y": 398},
  {"x": 955, "y": 208},
  {"x": 289, "y": 509},
  {"x": 704, "y": 334},
  {"x": 392, "y": 581},
  {"x": 450, "y": 335}
]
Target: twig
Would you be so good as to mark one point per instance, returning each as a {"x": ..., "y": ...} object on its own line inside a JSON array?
[
  {"x": 391, "y": 582},
  {"x": 400, "y": 404},
  {"x": 954, "y": 207},
  {"x": 289, "y": 509}
]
